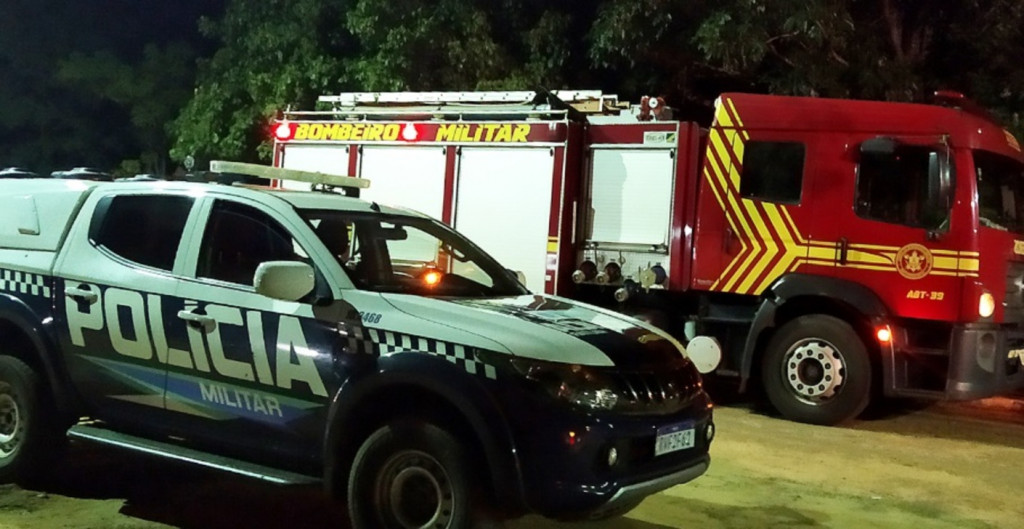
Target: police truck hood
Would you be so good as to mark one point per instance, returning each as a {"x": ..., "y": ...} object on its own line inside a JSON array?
[{"x": 550, "y": 328}]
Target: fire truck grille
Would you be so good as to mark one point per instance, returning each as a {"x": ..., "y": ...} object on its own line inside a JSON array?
[
  {"x": 1014, "y": 300},
  {"x": 657, "y": 392}
]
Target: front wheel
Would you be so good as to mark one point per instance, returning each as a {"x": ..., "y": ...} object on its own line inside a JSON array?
[
  {"x": 26, "y": 430},
  {"x": 410, "y": 475},
  {"x": 817, "y": 370}
]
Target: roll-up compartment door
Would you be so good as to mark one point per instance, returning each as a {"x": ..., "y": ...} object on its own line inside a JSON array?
[
  {"x": 503, "y": 204},
  {"x": 631, "y": 196},
  {"x": 330, "y": 159},
  {"x": 411, "y": 177}
]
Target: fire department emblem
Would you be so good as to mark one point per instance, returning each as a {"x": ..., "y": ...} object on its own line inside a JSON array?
[{"x": 913, "y": 261}]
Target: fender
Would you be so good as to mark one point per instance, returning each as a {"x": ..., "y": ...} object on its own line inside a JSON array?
[
  {"x": 16, "y": 312},
  {"x": 791, "y": 286},
  {"x": 460, "y": 390}
]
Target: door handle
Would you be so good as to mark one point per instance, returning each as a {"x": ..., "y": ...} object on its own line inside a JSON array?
[
  {"x": 82, "y": 294},
  {"x": 842, "y": 248},
  {"x": 728, "y": 237},
  {"x": 207, "y": 323}
]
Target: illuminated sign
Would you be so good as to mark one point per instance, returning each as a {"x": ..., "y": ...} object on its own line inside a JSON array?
[
  {"x": 420, "y": 132},
  {"x": 484, "y": 132},
  {"x": 1018, "y": 247}
]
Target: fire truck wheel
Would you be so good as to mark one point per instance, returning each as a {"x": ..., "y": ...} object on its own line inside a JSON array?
[
  {"x": 25, "y": 429},
  {"x": 411, "y": 475},
  {"x": 817, "y": 370}
]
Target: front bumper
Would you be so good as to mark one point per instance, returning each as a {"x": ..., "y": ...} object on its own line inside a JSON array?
[
  {"x": 564, "y": 456},
  {"x": 985, "y": 361},
  {"x": 977, "y": 361}
]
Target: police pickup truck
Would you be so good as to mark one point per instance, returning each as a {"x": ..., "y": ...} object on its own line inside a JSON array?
[{"x": 310, "y": 337}]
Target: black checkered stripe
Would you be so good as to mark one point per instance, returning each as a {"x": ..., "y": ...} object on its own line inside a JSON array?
[
  {"x": 17, "y": 282},
  {"x": 388, "y": 343}
]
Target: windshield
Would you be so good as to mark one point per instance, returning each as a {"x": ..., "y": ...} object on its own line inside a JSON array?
[
  {"x": 410, "y": 255},
  {"x": 1000, "y": 191}
]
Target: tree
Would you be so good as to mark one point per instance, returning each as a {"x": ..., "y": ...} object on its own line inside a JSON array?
[
  {"x": 277, "y": 53},
  {"x": 150, "y": 91},
  {"x": 272, "y": 54},
  {"x": 57, "y": 113}
]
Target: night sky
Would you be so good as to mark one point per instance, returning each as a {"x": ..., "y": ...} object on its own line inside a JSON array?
[{"x": 49, "y": 123}]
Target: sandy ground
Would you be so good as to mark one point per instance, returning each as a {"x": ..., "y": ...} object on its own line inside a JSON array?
[{"x": 945, "y": 466}]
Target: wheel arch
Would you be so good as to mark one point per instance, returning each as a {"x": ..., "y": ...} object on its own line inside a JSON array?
[
  {"x": 362, "y": 406},
  {"x": 798, "y": 295},
  {"x": 22, "y": 336}
]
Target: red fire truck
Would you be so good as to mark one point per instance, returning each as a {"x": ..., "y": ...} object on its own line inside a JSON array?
[{"x": 838, "y": 249}]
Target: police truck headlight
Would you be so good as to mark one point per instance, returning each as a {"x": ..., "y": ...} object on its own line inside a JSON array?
[
  {"x": 578, "y": 385},
  {"x": 986, "y": 305}
]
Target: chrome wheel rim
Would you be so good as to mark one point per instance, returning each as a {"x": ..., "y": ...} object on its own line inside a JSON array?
[
  {"x": 10, "y": 426},
  {"x": 814, "y": 370},
  {"x": 415, "y": 492}
]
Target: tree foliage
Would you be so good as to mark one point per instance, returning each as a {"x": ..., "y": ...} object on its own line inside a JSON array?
[{"x": 258, "y": 58}]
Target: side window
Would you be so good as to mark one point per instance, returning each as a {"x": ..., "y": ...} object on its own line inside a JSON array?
[
  {"x": 773, "y": 171},
  {"x": 237, "y": 239},
  {"x": 144, "y": 229},
  {"x": 896, "y": 187}
]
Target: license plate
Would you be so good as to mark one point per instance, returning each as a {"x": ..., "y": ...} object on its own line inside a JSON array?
[{"x": 674, "y": 438}]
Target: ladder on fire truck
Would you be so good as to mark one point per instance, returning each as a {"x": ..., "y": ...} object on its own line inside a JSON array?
[{"x": 486, "y": 104}]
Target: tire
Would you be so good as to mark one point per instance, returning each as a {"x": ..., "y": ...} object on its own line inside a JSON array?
[
  {"x": 26, "y": 422},
  {"x": 816, "y": 370},
  {"x": 411, "y": 475}
]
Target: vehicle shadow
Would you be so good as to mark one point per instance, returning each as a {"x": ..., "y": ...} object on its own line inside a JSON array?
[
  {"x": 185, "y": 496},
  {"x": 188, "y": 497}
]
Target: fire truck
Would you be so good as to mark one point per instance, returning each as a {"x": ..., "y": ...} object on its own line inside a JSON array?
[{"x": 839, "y": 250}]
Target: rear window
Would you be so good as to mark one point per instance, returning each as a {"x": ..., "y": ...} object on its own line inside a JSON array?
[{"x": 144, "y": 229}]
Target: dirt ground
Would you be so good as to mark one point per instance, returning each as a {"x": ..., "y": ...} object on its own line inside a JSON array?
[{"x": 943, "y": 466}]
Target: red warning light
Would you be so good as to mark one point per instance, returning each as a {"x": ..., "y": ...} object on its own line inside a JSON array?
[{"x": 284, "y": 131}]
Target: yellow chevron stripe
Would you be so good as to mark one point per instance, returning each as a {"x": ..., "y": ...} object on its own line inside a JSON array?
[
  {"x": 727, "y": 140},
  {"x": 758, "y": 261}
]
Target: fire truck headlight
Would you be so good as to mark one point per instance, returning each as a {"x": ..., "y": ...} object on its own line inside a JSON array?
[{"x": 986, "y": 305}]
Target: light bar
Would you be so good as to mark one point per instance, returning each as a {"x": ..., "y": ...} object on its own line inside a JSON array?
[{"x": 293, "y": 175}]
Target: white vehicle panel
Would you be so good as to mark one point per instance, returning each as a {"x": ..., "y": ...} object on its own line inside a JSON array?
[
  {"x": 330, "y": 159},
  {"x": 411, "y": 177},
  {"x": 631, "y": 195},
  {"x": 503, "y": 204}
]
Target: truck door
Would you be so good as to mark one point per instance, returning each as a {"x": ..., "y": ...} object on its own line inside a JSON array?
[
  {"x": 330, "y": 159},
  {"x": 115, "y": 301},
  {"x": 407, "y": 176},
  {"x": 503, "y": 203},
  {"x": 891, "y": 225},
  {"x": 752, "y": 198},
  {"x": 261, "y": 378}
]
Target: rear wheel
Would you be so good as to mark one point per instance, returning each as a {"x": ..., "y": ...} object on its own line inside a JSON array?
[
  {"x": 410, "y": 475},
  {"x": 26, "y": 421},
  {"x": 817, "y": 370}
]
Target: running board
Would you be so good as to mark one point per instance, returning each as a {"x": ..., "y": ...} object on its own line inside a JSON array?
[{"x": 179, "y": 453}]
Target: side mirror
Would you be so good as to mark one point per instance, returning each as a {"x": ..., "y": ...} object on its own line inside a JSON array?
[
  {"x": 520, "y": 276},
  {"x": 284, "y": 280}
]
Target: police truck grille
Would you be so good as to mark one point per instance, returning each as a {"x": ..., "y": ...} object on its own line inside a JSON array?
[{"x": 653, "y": 392}]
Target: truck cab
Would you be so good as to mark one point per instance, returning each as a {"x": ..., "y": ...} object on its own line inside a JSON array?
[{"x": 310, "y": 337}]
